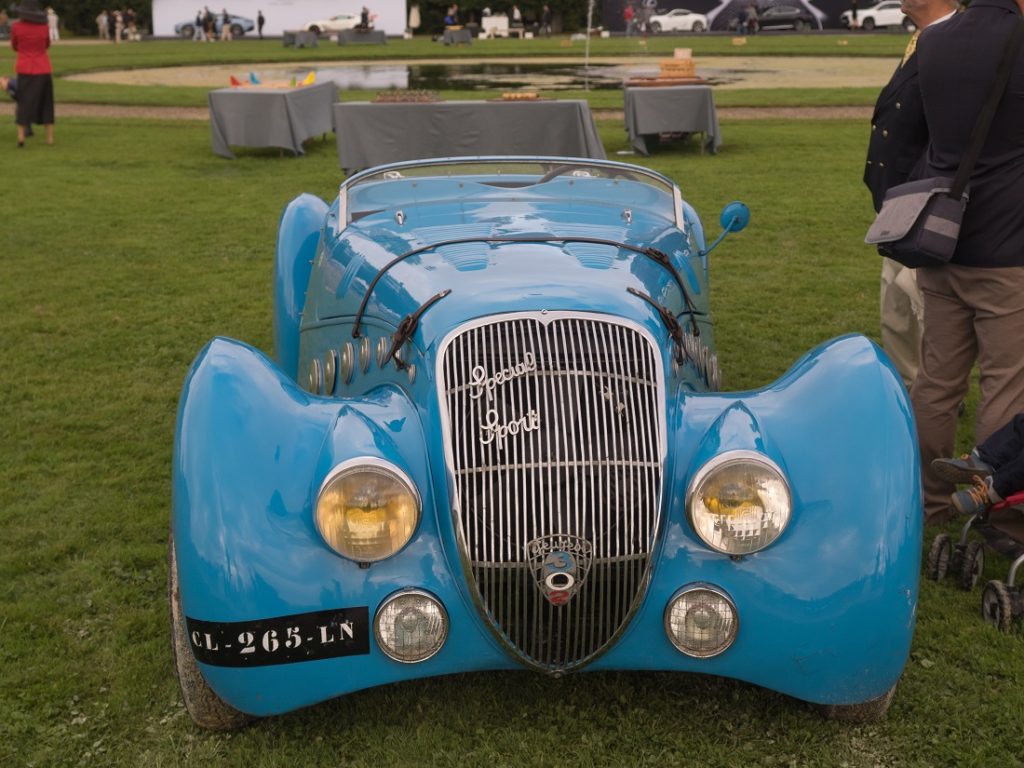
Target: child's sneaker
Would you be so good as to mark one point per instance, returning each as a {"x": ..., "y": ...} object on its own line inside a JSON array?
[
  {"x": 962, "y": 470},
  {"x": 974, "y": 499}
]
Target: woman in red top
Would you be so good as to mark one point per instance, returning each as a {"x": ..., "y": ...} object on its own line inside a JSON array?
[{"x": 30, "y": 37}]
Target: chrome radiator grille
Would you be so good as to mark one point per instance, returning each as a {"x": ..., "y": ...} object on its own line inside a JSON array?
[{"x": 554, "y": 437}]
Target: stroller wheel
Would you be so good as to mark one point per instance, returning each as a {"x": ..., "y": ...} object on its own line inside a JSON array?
[
  {"x": 973, "y": 565},
  {"x": 938, "y": 557},
  {"x": 996, "y": 607}
]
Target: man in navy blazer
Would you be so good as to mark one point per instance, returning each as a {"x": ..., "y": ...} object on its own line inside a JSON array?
[
  {"x": 899, "y": 137},
  {"x": 973, "y": 306}
]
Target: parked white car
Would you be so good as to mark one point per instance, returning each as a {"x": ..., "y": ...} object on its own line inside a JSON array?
[
  {"x": 679, "y": 20},
  {"x": 888, "y": 13},
  {"x": 334, "y": 24}
]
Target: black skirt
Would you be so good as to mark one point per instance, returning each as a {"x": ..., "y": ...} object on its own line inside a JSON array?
[{"x": 35, "y": 100}]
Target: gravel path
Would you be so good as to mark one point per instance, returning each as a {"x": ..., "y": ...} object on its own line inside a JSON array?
[{"x": 202, "y": 113}]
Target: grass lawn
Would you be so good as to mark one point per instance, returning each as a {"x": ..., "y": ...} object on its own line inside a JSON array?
[{"x": 128, "y": 245}]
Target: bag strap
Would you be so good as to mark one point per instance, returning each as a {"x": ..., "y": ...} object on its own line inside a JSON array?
[{"x": 984, "y": 121}]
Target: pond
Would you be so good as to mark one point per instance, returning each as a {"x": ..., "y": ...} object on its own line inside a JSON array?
[{"x": 547, "y": 75}]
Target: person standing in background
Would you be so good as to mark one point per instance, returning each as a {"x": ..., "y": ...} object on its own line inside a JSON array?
[
  {"x": 209, "y": 24},
  {"x": 752, "y": 20},
  {"x": 30, "y": 37},
  {"x": 118, "y": 26},
  {"x": 260, "y": 21},
  {"x": 53, "y": 24},
  {"x": 225, "y": 25},
  {"x": 131, "y": 31},
  {"x": 545, "y": 20},
  {"x": 853, "y": 15},
  {"x": 973, "y": 305},
  {"x": 899, "y": 138},
  {"x": 101, "y": 25}
]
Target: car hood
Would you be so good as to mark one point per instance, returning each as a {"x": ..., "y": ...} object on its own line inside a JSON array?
[{"x": 498, "y": 257}]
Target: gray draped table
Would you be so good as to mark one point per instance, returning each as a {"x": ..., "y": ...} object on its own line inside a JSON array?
[
  {"x": 457, "y": 37},
  {"x": 370, "y": 134},
  {"x": 673, "y": 109},
  {"x": 270, "y": 117},
  {"x": 300, "y": 38},
  {"x": 371, "y": 36}
]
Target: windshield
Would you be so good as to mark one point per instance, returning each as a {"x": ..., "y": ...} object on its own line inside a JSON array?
[{"x": 537, "y": 179}]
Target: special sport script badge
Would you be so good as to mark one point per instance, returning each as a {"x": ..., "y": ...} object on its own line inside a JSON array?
[{"x": 560, "y": 564}]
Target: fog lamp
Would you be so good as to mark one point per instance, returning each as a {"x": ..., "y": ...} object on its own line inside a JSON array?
[
  {"x": 367, "y": 509},
  {"x": 701, "y": 621},
  {"x": 739, "y": 502},
  {"x": 411, "y": 626}
]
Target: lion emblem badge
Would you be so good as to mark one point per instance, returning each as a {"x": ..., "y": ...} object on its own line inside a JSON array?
[{"x": 560, "y": 564}]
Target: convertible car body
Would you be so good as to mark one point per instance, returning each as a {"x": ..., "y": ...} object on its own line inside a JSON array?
[{"x": 491, "y": 436}]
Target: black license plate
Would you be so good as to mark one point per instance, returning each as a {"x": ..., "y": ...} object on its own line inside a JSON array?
[{"x": 281, "y": 640}]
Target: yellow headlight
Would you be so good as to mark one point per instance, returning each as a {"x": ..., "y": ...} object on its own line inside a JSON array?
[
  {"x": 367, "y": 510},
  {"x": 739, "y": 502}
]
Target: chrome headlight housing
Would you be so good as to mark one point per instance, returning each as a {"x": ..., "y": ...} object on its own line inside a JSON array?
[
  {"x": 411, "y": 626},
  {"x": 701, "y": 621},
  {"x": 367, "y": 509},
  {"x": 739, "y": 502}
]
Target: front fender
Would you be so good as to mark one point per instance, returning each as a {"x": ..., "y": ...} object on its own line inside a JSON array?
[
  {"x": 826, "y": 612},
  {"x": 250, "y": 453}
]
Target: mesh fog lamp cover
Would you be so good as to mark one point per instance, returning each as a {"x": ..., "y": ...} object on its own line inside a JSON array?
[
  {"x": 411, "y": 626},
  {"x": 367, "y": 509},
  {"x": 739, "y": 502},
  {"x": 701, "y": 621}
]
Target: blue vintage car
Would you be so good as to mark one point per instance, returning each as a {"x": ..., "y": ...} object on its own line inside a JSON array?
[{"x": 491, "y": 436}]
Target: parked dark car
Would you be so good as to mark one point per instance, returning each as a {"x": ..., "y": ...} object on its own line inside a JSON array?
[
  {"x": 782, "y": 17},
  {"x": 786, "y": 17}
]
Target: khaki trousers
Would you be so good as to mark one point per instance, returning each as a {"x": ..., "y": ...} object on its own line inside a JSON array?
[
  {"x": 971, "y": 314},
  {"x": 902, "y": 315}
]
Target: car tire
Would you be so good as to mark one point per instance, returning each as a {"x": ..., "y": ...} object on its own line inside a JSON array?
[
  {"x": 236, "y": 30},
  {"x": 315, "y": 29},
  {"x": 802, "y": 26},
  {"x": 972, "y": 566},
  {"x": 996, "y": 606},
  {"x": 187, "y": 31},
  {"x": 655, "y": 28},
  {"x": 938, "y": 557},
  {"x": 908, "y": 25},
  {"x": 207, "y": 709},
  {"x": 866, "y": 712},
  {"x": 868, "y": 24},
  {"x": 697, "y": 27}
]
